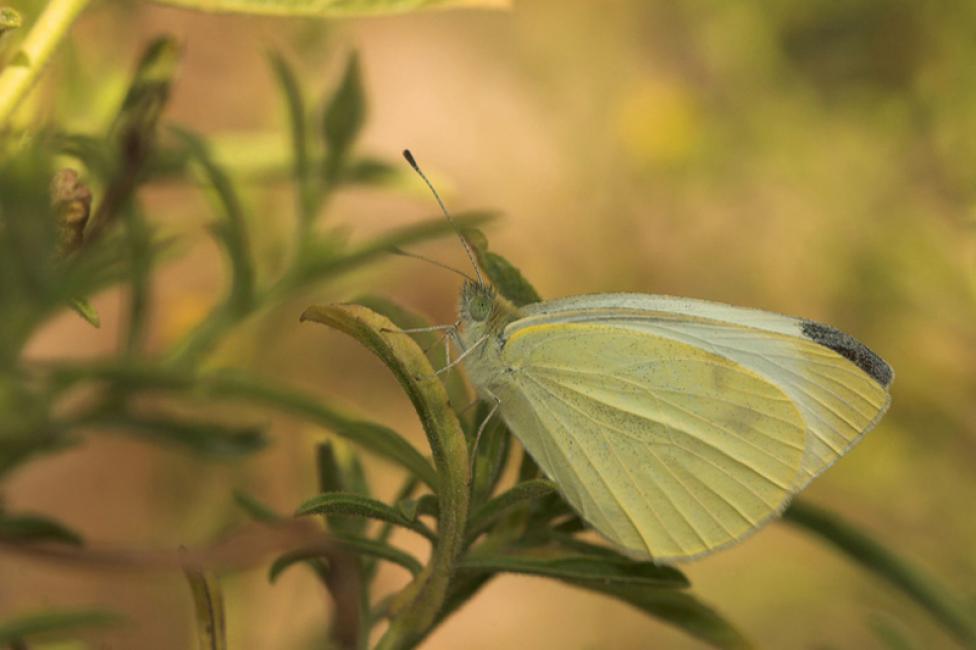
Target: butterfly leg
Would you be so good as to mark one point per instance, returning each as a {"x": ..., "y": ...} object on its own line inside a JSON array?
[
  {"x": 461, "y": 356},
  {"x": 481, "y": 430},
  {"x": 417, "y": 330}
]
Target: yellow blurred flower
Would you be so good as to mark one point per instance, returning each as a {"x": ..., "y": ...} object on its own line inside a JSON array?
[{"x": 659, "y": 123}]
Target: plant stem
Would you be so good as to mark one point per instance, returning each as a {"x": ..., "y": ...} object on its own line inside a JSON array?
[
  {"x": 38, "y": 46},
  {"x": 415, "y": 609}
]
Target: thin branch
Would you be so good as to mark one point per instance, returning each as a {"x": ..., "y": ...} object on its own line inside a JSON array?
[{"x": 34, "y": 53}]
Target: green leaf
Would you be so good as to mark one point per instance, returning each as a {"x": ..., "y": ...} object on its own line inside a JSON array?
[
  {"x": 208, "y": 604},
  {"x": 339, "y": 470},
  {"x": 348, "y": 503},
  {"x": 430, "y": 342},
  {"x": 491, "y": 511},
  {"x": 239, "y": 386},
  {"x": 258, "y": 510},
  {"x": 86, "y": 311},
  {"x": 329, "y": 8},
  {"x": 231, "y": 231},
  {"x": 148, "y": 91},
  {"x": 676, "y": 608},
  {"x": 208, "y": 438},
  {"x": 379, "y": 550},
  {"x": 313, "y": 557},
  {"x": 407, "y": 508},
  {"x": 352, "y": 543},
  {"x": 345, "y": 114},
  {"x": 53, "y": 623},
  {"x": 34, "y": 528},
  {"x": 371, "y": 172},
  {"x": 873, "y": 556},
  {"x": 301, "y": 167},
  {"x": 402, "y": 355},
  {"x": 563, "y": 565},
  {"x": 889, "y": 634},
  {"x": 427, "y": 505},
  {"x": 503, "y": 274},
  {"x": 491, "y": 455},
  {"x": 377, "y": 438}
]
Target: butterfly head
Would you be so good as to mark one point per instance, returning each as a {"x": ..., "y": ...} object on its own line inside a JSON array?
[{"x": 477, "y": 302}]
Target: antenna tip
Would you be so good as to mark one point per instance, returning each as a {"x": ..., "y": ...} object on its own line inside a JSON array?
[{"x": 410, "y": 159}]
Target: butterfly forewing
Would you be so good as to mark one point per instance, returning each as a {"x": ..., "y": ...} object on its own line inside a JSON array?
[{"x": 839, "y": 386}]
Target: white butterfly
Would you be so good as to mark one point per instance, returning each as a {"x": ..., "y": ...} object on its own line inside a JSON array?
[{"x": 674, "y": 427}]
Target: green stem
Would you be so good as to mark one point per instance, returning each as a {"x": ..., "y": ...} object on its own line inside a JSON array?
[
  {"x": 32, "y": 56},
  {"x": 417, "y": 606}
]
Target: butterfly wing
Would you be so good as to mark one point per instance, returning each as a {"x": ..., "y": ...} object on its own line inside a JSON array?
[
  {"x": 839, "y": 385},
  {"x": 680, "y": 429}
]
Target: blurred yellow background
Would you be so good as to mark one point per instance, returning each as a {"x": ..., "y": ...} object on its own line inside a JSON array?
[{"x": 814, "y": 158}]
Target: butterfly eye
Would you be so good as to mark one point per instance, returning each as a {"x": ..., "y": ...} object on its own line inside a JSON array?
[{"x": 480, "y": 307}]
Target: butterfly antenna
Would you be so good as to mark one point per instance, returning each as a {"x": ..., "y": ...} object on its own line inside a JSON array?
[
  {"x": 399, "y": 251},
  {"x": 467, "y": 247}
]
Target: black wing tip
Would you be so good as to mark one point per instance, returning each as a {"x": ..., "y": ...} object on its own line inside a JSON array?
[{"x": 851, "y": 349}]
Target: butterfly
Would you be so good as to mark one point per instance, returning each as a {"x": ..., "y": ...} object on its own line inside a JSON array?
[{"x": 674, "y": 427}]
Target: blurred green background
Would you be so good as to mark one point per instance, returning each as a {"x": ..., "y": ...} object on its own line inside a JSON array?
[{"x": 815, "y": 158}]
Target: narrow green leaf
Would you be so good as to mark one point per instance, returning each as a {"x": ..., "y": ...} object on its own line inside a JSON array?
[
  {"x": 873, "y": 556},
  {"x": 34, "y": 528},
  {"x": 491, "y": 511},
  {"x": 231, "y": 231},
  {"x": 148, "y": 91},
  {"x": 563, "y": 565},
  {"x": 15, "y": 450},
  {"x": 53, "y": 624},
  {"x": 297, "y": 121},
  {"x": 353, "y": 544},
  {"x": 491, "y": 455},
  {"x": 207, "y": 438},
  {"x": 889, "y": 634},
  {"x": 208, "y": 604},
  {"x": 133, "y": 133},
  {"x": 138, "y": 237},
  {"x": 371, "y": 172},
  {"x": 329, "y": 8},
  {"x": 238, "y": 386},
  {"x": 379, "y": 550},
  {"x": 431, "y": 342},
  {"x": 313, "y": 557},
  {"x": 86, "y": 311},
  {"x": 427, "y": 505},
  {"x": 407, "y": 508},
  {"x": 348, "y": 503},
  {"x": 258, "y": 510},
  {"x": 340, "y": 471},
  {"x": 377, "y": 438},
  {"x": 503, "y": 274},
  {"x": 345, "y": 114},
  {"x": 676, "y": 608},
  {"x": 408, "y": 363}
]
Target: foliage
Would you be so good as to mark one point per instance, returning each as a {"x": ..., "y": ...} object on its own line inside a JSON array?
[{"x": 66, "y": 235}]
